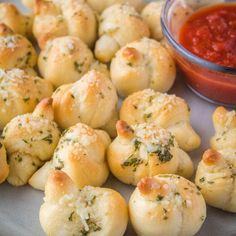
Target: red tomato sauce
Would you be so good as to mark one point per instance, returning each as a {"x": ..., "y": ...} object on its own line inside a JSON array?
[{"x": 211, "y": 34}]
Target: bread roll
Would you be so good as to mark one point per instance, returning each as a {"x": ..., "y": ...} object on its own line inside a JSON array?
[
  {"x": 101, "y": 5},
  {"x": 91, "y": 100},
  {"x": 19, "y": 93},
  {"x": 215, "y": 177},
  {"x": 59, "y": 18},
  {"x": 146, "y": 150},
  {"x": 168, "y": 111},
  {"x": 152, "y": 16},
  {"x": 4, "y": 167},
  {"x": 225, "y": 129},
  {"x": 66, "y": 59},
  {"x": 81, "y": 154},
  {"x": 30, "y": 141},
  {"x": 119, "y": 24},
  {"x": 15, "y": 50},
  {"x": 15, "y": 20},
  {"x": 216, "y": 172},
  {"x": 166, "y": 205},
  {"x": 142, "y": 64},
  {"x": 93, "y": 211}
]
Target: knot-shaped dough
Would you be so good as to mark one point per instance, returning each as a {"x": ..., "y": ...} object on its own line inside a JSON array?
[
  {"x": 225, "y": 126},
  {"x": 216, "y": 178},
  {"x": 168, "y": 111},
  {"x": 146, "y": 150},
  {"x": 59, "y": 18},
  {"x": 16, "y": 51},
  {"x": 101, "y": 5},
  {"x": 119, "y": 24},
  {"x": 152, "y": 16},
  {"x": 30, "y": 140},
  {"x": 216, "y": 173},
  {"x": 91, "y": 100},
  {"x": 81, "y": 153},
  {"x": 166, "y": 205},
  {"x": 4, "y": 167},
  {"x": 19, "y": 93},
  {"x": 140, "y": 65},
  {"x": 69, "y": 211},
  {"x": 17, "y": 22},
  {"x": 66, "y": 59}
]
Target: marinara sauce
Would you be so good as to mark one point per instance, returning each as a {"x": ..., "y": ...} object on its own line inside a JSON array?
[{"x": 211, "y": 34}]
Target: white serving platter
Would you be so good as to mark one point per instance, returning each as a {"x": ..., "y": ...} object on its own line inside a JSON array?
[{"x": 19, "y": 207}]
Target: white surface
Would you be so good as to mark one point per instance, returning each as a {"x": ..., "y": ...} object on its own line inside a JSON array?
[{"x": 19, "y": 207}]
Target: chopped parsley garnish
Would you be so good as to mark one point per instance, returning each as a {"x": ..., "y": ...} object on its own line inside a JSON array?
[
  {"x": 26, "y": 99},
  {"x": 159, "y": 197},
  {"x": 132, "y": 162},
  {"x": 78, "y": 66},
  {"x": 163, "y": 151},
  {"x": 70, "y": 218},
  {"x": 202, "y": 179},
  {"x": 48, "y": 138},
  {"x": 147, "y": 116}
]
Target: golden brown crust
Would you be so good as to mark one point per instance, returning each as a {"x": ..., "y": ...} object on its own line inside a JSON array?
[
  {"x": 124, "y": 130},
  {"x": 210, "y": 157}
]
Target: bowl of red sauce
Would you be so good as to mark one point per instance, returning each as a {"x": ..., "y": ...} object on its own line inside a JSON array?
[{"x": 201, "y": 34}]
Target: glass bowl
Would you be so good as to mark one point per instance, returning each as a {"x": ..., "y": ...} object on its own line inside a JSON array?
[{"x": 210, "y": 81}]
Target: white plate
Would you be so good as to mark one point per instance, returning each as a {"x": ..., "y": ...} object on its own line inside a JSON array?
[{"x": 19, "y": 207}]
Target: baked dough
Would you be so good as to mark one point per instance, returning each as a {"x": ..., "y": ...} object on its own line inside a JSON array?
[
  {"x": 140, "y": 65},
  {"x": 101, "y": 5},
  {"x": 168, "y": 111},
  {"x": 93, "y": 211},
  {"x": 119, "y": 24},
  {"x": 17, "y": 22},
  {"x": 30, "y": 140},
  {"x": 91, "y": 100},
  {"x": 225, "y": 129},
  {"x": 4, "y": 167},
  {"x": 216, "y": 178},
  {"x": 166, "y": 205},
  {"x": 152, "y": 16},
  {"x": 80, "y": 153},
  {"x": 15, "y": 50},
  {"x": 66, "y": 59},
  {"x": 146, "y": 150},
  {"x": 216, "y": 172},
  {"x": 19, "y": 93},
  {"x": 59, "y": 18}
]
